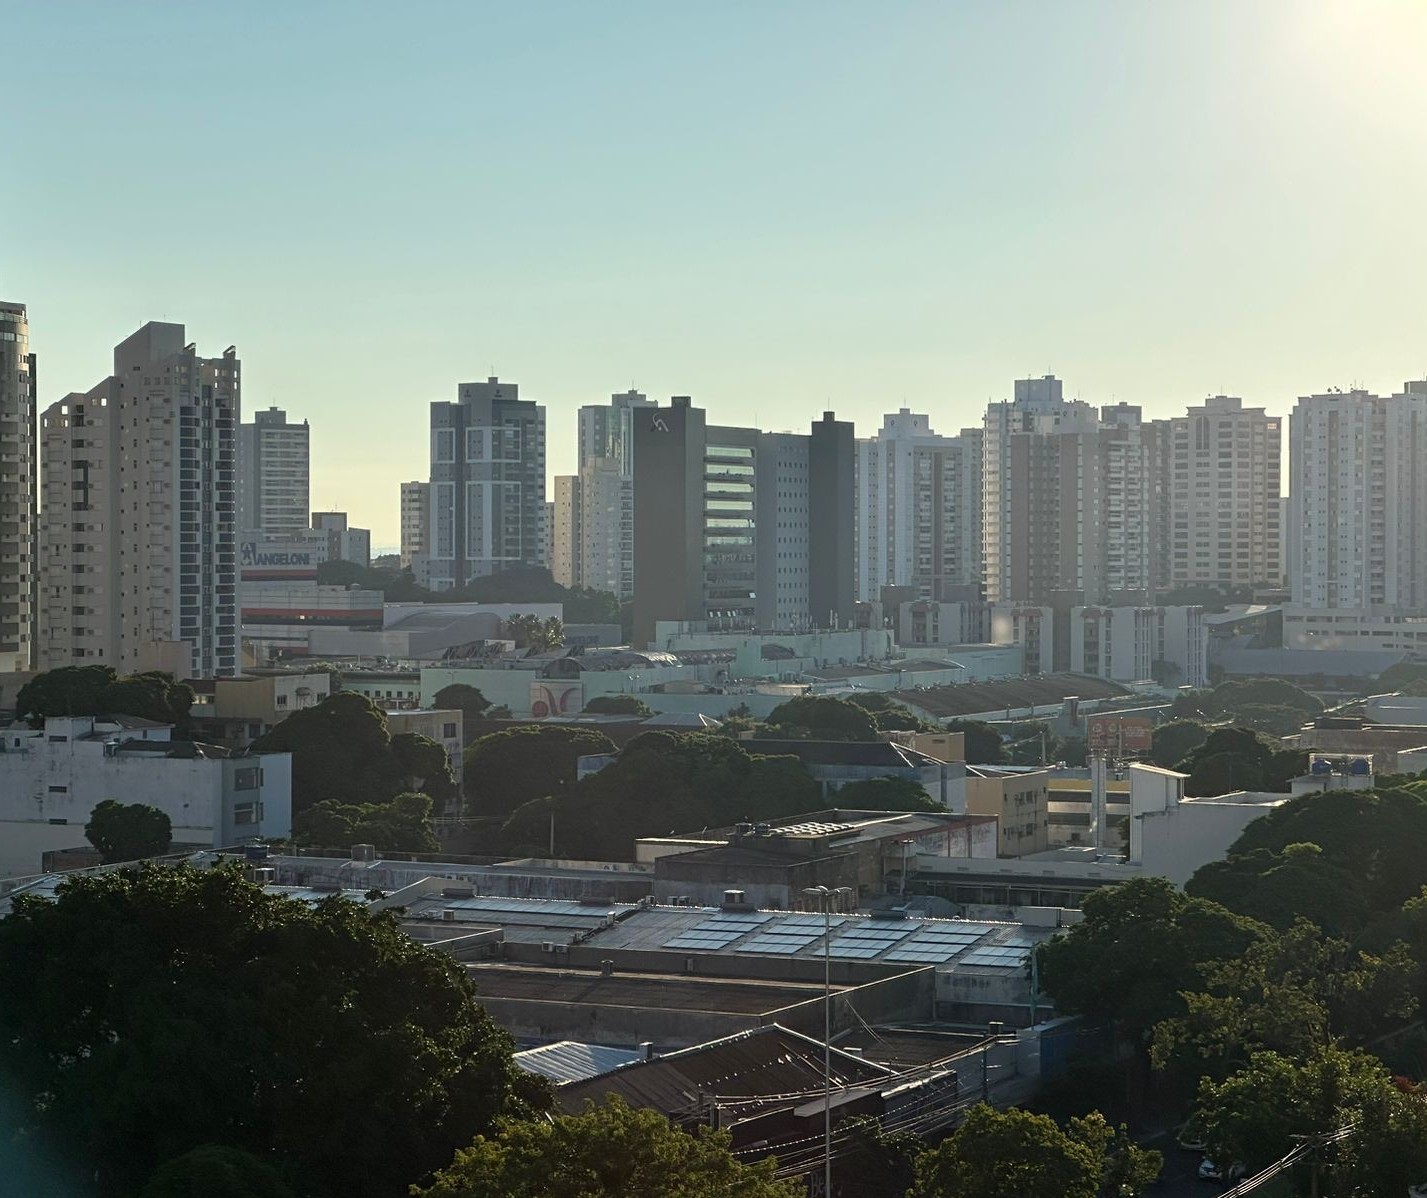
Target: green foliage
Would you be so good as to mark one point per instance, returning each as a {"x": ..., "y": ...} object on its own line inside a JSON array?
[
  {"x": 148, "y": 1012},
  {"x": 1016, "y": 1154},
  {"x": 128, "y": 831},
  {"x": 533, "y": 633},
  {"x": 402, "y": 825},
  {"x": 879, "y": 1164},
  {"x": 884, "y": 794},
  {"x": 1253, "y": 1115},
  {"x": 1406, "y": 676},
  {"x": 1279, "y": 721},
  {"x": 1289, "y": 994},
  {"x": 1173, "y": 742},
  {"x": 468, "y": 700},
  {"x": 1233, "y": 759},
  {"x": 663, "y": 783},
  {"x": 341, "y": 752},
  {"x": 507, "y": 769},
  {"x": 422, "y": 764},
  {"x": 1370, "y": 860},
  {"x": 983, "y": 742},
  {"x": 1137, "y": 951},
  {"x": 1230, "y": 697},
  {"x": 890, "y": 715},
  {"x": 215, "y": 1171},
  {"x": 609, "y": 1151},
  {"x": 814, "y": 717},
  {"x": 618, "y": 705},
  {"x": 98, "y": 690}
]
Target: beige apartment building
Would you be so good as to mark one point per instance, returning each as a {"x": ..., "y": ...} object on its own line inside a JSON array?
[
  {"x": 138, "y": 534},
  {"x": 18, "y": 489}
]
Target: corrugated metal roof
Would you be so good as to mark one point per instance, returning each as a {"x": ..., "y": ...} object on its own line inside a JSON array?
[{"x": 572, "y": 1061}]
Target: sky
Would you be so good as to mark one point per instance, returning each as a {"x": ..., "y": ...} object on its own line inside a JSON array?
[{"x": 777, "y": 208}]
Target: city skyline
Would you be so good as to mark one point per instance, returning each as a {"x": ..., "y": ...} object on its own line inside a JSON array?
[{"x": 819, "y": 212}]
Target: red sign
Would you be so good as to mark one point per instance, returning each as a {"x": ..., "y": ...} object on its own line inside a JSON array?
[{"x": 1123, "y": 735}]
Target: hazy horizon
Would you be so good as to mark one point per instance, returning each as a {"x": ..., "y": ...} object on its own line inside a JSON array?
[{"x": 775, "y": 209}]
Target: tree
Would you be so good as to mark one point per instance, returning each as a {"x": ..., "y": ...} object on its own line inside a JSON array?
[
  {"x": 509, "y": 768},
  {"x": 1229, "y": 697},
  {"x": 1290, "y": 994},
  {"x": 983, "y": 742},
  {"x": 147, "y": 1012},
  {"x": 128, "y": 831},
  {"x": 1254, "y": 1115},
  {"x": 215, "y": 1171},
  {"x": 1016, "y": 1154},
  {"x": 341, "y": 752},
  {"x": 531, "y": 632},
  {"x": 1172, "y": 742},
  {"x": 68, "y": 690},
  {"x": 884, "y": 794},
  {"x": 662, "y": 783},
  {"x": 619, "y": 705},
  {"x": 1137, "y": 951},
  {"x": 1233, "y": 759},
  {"x": 1277, "y": 721},
  {"x": 98, "y": 690},
  {"x": 884, "y": 1164},
  {"x": 610, "y": 1151},
  {"x": 402, "y": 825},
  {"x": 468, "y": 700},
  {"x": 814, "y": 717},
  {"x": 422, "y": 765},
  {"x": 890, "y": 715}
]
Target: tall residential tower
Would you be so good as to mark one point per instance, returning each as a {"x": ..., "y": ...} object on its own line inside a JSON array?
[
  {"x": 19, "y": 486},
  {"x": 273, "y": 476}
]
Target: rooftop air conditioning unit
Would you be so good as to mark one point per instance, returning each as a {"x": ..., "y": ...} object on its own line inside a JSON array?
[
  {"x": 448, "y": 915},
  {"x": 547, "y": 946},
  {"x": 263, "y": 875}
]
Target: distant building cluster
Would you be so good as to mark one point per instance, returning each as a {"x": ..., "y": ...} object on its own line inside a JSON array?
[{"x": 145, "y": 524}]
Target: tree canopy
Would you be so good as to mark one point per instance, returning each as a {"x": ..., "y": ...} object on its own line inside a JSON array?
[
  {"x": 1233, "y": 759},
  {"x": 884, "y": 794},
  {"x": 98, "y": 690},
  {"x": 1017, "y": 1154},
  {"x": 983, "y": 742},
  {"x": 421, "y": 764},
  {"x": 814, "y": 717},
  {"x": 402, "y": 825},
  {"x": 128, "y": 831},
  {"x": 610, "y": 1151},
  {"x": 468, "y": 700},
  {"x": 661, "y": 783},
  {"x": 216, "y": 1171},
  {"x": 1171, "y": 743},
  {"x": 890, "y": 715},
  {"x": 147, "y": 1013},
  {"x": 533, "y": 633},
  {"x": 506, "y": 769},
  {"x": 1137, "y": 951},
  {"x": 618, "y": 705}
]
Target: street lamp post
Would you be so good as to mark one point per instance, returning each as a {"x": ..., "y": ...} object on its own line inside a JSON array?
[{"x": 826, "y": 895}]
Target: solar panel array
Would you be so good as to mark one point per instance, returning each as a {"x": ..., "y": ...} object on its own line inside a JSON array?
[
  {"x": 865, "y": 941},
  {"x": 533, "y": 910},
  {"x": 1009, "y": 955},
  {"x": 935, "y": 943},
  {"x": 719, "y": 931}
]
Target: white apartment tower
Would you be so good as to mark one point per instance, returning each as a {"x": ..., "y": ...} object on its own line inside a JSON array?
[
  {"x": 602, "y": 551},
  {"x": 1358, "y": 506},
  {"x": 414, "y": 503},
  {"x": 274, "y": 466},
  {"x": 19, "y": 485},
  {"x": 1224, "y": 463},
  {"x": 919, "y": 503},
  {"x": 487, "y": 501},
  {"x": 140, "y": 493}
]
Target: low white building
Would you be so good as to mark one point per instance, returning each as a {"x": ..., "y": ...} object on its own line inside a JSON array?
[
  {"x": 1357, "y": 628},
  {"x": 1130, "y": 644},
  {"x": 51, "y": 780}
]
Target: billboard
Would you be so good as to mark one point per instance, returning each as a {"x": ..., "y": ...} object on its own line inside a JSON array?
[
  {"x": 1123, "y": 735},
  {"x": 278, "y": 561}
]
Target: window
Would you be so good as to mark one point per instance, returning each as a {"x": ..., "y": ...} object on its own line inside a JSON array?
[
  {"x": 247, "y": 813},
  {"x": 59, "y": 790},
  {"x": 248, "y": 778},
  {"x": 448, "y": 731}
]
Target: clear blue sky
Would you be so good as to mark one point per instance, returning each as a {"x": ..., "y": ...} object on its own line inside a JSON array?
[{"x": 775, "y": 207}]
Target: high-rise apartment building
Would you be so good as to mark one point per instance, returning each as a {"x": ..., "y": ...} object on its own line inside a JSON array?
[
  {"x": 1069, "y": 496},
  {"x": 1358, "y": 507},
  {"x": 1222, "y": 490},
  {"x": 19, "y": 486},
  {"x": 606, "y": 527},
  {"x": 607, "y": 430},
  {"x": 487, "y": 499},
  {"x": 140, "y": 506},
  {"x": 414, "y": 504},
  {"x": 740, "y": 529},
  {"x": 340, "y": 541},
  {"x": 273, "y": 476},
  {"x": 565, "y": 531},
  {"x": 918, "y": 509}
]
